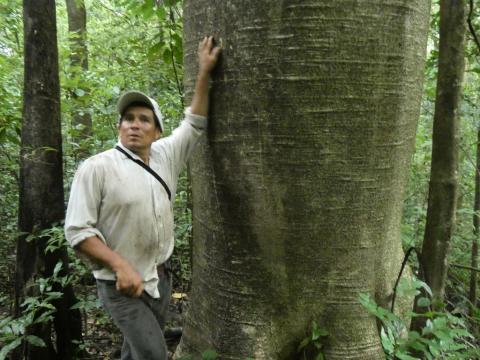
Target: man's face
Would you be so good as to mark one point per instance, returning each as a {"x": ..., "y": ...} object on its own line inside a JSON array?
[{"x": 137, "y": 130}]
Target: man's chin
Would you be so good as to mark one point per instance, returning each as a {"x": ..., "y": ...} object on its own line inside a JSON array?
[{"x": 133, "y": 147}]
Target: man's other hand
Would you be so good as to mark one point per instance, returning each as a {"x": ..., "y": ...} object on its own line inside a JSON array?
[{"x": 129, "y": 281}]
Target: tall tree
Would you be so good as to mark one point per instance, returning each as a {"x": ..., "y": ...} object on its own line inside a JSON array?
[
  {"x": 476, "y": 205},
  {"x": 472, "y": 293},
  {"x": 77, "y": 26},
  {"x": 298, "y": 187},
  {"x": 443, "y": 175},
  {"x": 41, "y": 180}
]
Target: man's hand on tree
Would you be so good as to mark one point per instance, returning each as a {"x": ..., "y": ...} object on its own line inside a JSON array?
[
  {"x": 207, "y": 55},
  {"x": 207, "y": 59}
]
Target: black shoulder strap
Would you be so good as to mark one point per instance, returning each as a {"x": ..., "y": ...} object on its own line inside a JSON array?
[{"x": 149, "y": 169}]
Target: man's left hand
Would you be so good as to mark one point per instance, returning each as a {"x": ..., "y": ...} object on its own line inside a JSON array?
[{"x": 207, "y": 55}]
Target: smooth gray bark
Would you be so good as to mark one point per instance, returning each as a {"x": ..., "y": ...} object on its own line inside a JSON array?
[
  {"x": 472, "y": 294},
  {"x": 443, "y": 175},
  {"x": 298, "y": 186}
]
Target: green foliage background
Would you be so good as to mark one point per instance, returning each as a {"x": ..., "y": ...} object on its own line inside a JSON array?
[{"x": 132, "y": 44}]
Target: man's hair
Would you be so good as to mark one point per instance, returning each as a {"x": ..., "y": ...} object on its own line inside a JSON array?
[{"x": 140, "y": 104}]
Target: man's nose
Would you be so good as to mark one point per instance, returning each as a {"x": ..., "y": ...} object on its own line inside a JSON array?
[{"x": 135, "y": 122}]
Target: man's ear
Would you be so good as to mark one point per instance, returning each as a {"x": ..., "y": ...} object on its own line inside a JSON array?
[{"x": 158, "y": 133}]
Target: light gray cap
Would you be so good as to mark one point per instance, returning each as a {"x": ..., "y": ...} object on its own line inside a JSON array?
[{"x": 136, "y": 96}]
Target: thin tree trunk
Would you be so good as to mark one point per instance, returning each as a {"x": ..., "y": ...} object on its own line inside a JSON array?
[
  {"x": 77, "y": 26},
  {"x": 443, "y": 176},
  {"x": 298, "y": 186},
  {"x": 476, "y": 230},
  {"x": 476, "y": 207},
  {"x": 41, "y": 181}
]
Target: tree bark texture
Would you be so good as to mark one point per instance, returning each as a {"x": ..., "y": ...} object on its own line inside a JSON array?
[
  {"x": 443, "y": 175},
  {"x": 472, "y": 295},
  {"x": 298, "y": 186},
  {"x": 41, "y": 179},
  {"x": 77, "y": 26}
]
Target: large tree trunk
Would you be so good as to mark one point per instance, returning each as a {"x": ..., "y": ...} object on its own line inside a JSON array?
[
  {"x": 443, "y": 175},
  {"x": 77, "y": 26},
  {"x": 298, "y": 186},
  {"x": 41, "y": 179}
]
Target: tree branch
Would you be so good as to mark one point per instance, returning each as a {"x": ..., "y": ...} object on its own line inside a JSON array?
[
  {"x": 470, "y": 25},
  {"x": 405, "y": 259},
  {"x": 179, "y": 87},
  {"x": 465, "y": 267}
]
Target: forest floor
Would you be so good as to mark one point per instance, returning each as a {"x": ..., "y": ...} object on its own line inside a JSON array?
[{"x": 102, "y": 339}]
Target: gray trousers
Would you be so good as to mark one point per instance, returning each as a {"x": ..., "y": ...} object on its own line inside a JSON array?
[{"x": 141, "y": 320}]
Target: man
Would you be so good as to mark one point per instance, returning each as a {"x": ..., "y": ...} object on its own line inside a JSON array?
[{"x": 120, "y": 212}]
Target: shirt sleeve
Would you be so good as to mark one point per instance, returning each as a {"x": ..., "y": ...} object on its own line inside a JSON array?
[
  {"x": 84, "y": 204},
  {"x": 184, "y": 139}
]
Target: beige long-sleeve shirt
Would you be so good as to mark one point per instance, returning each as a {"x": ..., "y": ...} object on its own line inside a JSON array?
[{"x": 115, "y": 199}]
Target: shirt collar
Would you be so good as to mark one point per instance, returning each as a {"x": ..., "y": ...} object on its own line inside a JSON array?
[{"x": 131, "y": 153}]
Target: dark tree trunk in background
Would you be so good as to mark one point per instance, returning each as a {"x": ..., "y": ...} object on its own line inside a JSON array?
[
  {"x": 298, "y": 186},
  {"x": 77, "y": 26},
  {"x": 41, "y": 181},
  {"x": 443, "y": 176}
]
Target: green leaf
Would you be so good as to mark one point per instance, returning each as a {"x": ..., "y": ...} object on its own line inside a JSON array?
[
  {"x": 45, "y": 317},
  {"x": 154, "y": 51},
  {"x": 35, "y": 340},
  {"x": 421, "y": 284},
  {"x": 79, "y": 92},
  {"x": 413, "y": 335},
  {"x": 53, "y": 295},
  {"x": 161, "y": 13},
  {"x": 57, "y": 268},
  {"x": 303, "y": 344},
  {"x": 368, "y": 303},
  {"x": 418, "y": 346},
  {"x": 320, "y": 357},
  {"x": 315, "y": 332},
  {"x": 4, "y": 322},
  {"x": 386, "y": 341},
  {"x": 475, "y": 69},
  {"x": 434, "y": 348},
  {"x": 167, "y": 56},
  {"x": 30, "y": 238},
  {"x": 77, "y": 305},
  {"x": 147, "y": 9},
  {"x": 9, "y": 347},
  {"x": 322, "y": 332},
  {"x": 423, "y": 302},
  {"x": 209, "y": 355}
]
